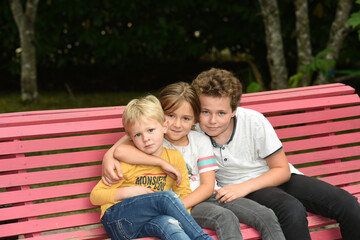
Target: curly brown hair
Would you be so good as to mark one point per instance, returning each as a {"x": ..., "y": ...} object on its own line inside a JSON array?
[{"x": 219, "y": 83}]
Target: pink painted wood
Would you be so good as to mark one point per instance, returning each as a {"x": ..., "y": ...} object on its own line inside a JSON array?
[{"x": 50, "y": 160}]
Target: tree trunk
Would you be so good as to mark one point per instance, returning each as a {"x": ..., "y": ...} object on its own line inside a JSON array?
[
  {"x": 303, "y": 39},
  {"x": 25, "y": 21},
  {"x": 339, "y": 30},
  {"x": 275, "y": 50}
]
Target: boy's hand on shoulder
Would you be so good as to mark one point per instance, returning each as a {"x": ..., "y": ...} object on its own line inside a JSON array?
[
  {"x": 231, "y": 192},
  {"x": 109, "y": 176},
  {"x": 172, "y": 171}
]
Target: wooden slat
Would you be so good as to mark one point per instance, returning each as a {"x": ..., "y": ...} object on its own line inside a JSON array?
[
  {"x": 35, "y": 194},
  {"x": 46, "y": 130},
  {"x": 30, "y": 178},
  {"x": 326, "y": 234},
  {"x": 295, "y": 95},
  {"x": 47, "y": 224},
  {"x": 321, "y": 142},
  {"x": 307, "y": 104},
  {"x": 327, "y": 154},
  {"x": 50, "y": 117},
  {"x": 47, "y": 208},
  {"x": 331, "y": 168},
  {"x": 314, "y": 116},
  {"x": 317, "y": 129},
  {"x": 306, "y": 118},
  {"x": 58, "y": 111},
  {"x": 353, "y": 189},
  {"x": 93, "y": 233},
  {"x": 342, "y": 179},
  {"x": 39, "y": 145},
  {"x": 295, "y": 90},
  {"x": 51, "y": 160}
]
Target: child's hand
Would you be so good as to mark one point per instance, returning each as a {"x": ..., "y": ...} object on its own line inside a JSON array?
[
  {"x": 109, "y": 176},
  {"x": 231, "y": 192},
  {"x": 172, "y": 171}
]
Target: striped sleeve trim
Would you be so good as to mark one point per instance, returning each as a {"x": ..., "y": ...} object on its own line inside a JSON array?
[{"x": 207, "y": 164}]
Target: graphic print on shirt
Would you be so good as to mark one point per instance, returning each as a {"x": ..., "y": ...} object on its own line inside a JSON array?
[
  {"x": 191, "y": 174},
  {"x": 155, "y": 182}
]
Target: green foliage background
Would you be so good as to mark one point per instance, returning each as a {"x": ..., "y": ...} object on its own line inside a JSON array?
[{"x": 143, "y": 44}]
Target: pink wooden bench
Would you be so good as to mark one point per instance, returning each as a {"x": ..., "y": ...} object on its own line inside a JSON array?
[{"x": 50, "y": 160}]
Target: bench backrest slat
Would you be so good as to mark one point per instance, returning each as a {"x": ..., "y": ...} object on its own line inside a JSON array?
[
  {"x": 40, "y": 177},
  {"x": 44, "y": 193},
  {"x": 59, "y": 143}
]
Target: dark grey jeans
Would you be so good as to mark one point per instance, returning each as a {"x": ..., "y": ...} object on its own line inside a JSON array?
[
  {"x": 225, "y": 218},
  {"x": 291, "y": 200}
]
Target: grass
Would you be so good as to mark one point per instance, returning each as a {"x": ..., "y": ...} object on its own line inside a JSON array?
[{"x": 11, "y": 102}]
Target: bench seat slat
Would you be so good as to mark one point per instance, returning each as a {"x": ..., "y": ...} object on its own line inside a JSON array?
[
  {"x": 332, "y": 233},
  {"x": 94, "y": 234}
]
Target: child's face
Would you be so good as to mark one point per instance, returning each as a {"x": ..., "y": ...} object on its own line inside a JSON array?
[
  {"x": 215, "y": 115},
  {"x": 180, "y": 123},
  {"x": 147, "y": 135}
]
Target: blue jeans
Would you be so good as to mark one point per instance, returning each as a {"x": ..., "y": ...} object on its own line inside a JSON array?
[
  {"x": 291, "y": 200},
  {"x": 160, "y": 214},
  {"x": 224, "y": 218}
]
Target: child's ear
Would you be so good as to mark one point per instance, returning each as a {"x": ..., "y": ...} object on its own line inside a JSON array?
[
  {"x": 127, "y": 134},
  {"x": 166, "y": 125},
  {"x": 233, "y": 113}
]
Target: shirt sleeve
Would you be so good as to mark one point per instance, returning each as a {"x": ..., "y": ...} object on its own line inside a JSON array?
[
  {"x": 206, "y": 161},
  {"x": 103, "y": 194},
  {"x": 266, "y": 139}
]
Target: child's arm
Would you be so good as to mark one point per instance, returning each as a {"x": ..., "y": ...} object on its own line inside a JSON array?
[
  {"x": 279, "y": 173},
  {"x": 102, "y": 194},
  {"x": 111, "y": 166},
  {"x": 127, "y": 152},
  {"x": 203, "y": 192},
  {"x": 124, "y": 150}
]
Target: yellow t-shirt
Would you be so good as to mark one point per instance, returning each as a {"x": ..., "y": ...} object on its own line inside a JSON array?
[{"x": 150, "y": 176}]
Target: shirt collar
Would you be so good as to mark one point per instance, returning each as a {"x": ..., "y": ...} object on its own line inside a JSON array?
[{"x": 215, "y": 144}]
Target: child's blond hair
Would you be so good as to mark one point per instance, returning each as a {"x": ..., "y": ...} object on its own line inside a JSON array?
[
  {"x": 219, "y": 83},
  {"x": 145, "y": 107}
]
